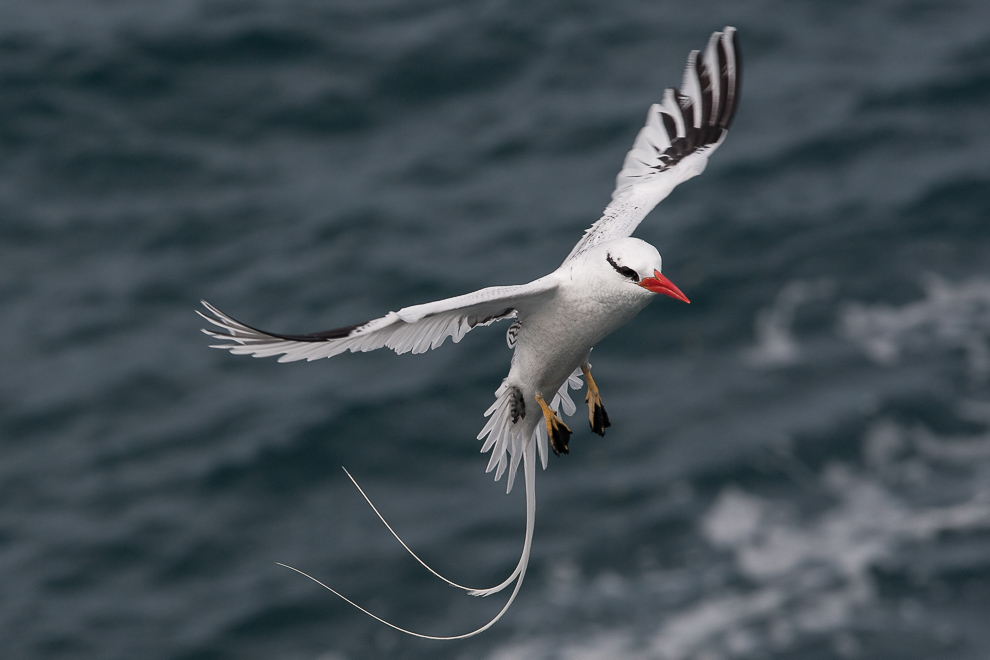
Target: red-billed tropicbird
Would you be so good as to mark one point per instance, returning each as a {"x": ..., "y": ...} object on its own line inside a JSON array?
[{"x": 603, "y": 283}]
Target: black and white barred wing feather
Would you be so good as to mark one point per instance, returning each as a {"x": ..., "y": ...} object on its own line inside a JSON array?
[
  {"x": 416, "y": 329},
  {"x": 674, "y": 145}
]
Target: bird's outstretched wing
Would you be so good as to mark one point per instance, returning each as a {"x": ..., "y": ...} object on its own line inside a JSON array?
[
  {"x": 417, "y": 329},
  {"x": 674, "y": 145}
]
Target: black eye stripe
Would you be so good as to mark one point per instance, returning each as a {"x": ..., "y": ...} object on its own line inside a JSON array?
[{"x": 625, "y": 271}]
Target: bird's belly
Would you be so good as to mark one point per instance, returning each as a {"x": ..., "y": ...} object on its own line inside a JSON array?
[{"x": 551, "y": 345}]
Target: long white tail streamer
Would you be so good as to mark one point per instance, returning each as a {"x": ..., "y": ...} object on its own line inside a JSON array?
[
  {"x": 474, "y": 592},
  {"x": 529, "y": 469}
]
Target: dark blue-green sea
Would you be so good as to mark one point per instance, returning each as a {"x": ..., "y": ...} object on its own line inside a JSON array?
[{"x": 799, "y": 461}]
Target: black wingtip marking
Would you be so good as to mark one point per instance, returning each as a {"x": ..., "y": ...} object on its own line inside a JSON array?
[
  {"x": 737, "y": 86},
  {"x": 336, "y": 333},
  {"x": 687, "y": 120},
  {"x": 722, "y": 58},
  {"x": 716, "y": 117},
  {"x": 705, "y": 80},
  {"x": 669, "y": 124}
]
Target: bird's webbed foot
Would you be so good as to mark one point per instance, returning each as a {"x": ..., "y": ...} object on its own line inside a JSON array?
[
  {"x": 558, "y": 432},
  {"x": 597, "y": 416}
]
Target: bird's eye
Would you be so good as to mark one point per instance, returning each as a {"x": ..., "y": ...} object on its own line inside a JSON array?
[{"x": 625, "y": 271}]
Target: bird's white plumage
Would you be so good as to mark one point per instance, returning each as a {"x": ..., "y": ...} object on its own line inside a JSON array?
[
  {"x": 417, "y": 329},
  {"x": 607, "y": 278}
]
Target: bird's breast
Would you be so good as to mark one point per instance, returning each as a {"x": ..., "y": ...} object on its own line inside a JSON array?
[{"x": 556, "y": 339}]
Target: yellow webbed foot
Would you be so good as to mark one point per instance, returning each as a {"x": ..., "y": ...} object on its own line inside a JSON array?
[
  {"x": 597, "y": 416},
  {"x": 558, "y": 432}
]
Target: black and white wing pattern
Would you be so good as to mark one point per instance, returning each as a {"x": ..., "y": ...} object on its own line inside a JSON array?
[
  {"x": 674, "y": 145},
  {"x": 417, "y": 329}
]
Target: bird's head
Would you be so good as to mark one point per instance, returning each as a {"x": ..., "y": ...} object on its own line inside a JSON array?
[{"x": 639, "y": 263}]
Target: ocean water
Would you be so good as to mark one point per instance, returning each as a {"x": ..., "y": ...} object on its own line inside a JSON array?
[{"x": 799, "y": 462}]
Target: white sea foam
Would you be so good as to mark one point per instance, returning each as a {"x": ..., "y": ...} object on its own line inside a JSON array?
[
  {"x": 950, "y": 316},
  {"x": 813, "y": 575},
  {"x": 775, "y": 344}
]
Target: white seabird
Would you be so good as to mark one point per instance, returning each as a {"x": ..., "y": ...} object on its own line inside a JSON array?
[{"x": 606, "y": 280}]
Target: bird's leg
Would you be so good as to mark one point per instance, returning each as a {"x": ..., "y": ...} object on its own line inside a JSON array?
[
  {"x": 557, "y": 431},
  {"x": 597, "y": 416}
]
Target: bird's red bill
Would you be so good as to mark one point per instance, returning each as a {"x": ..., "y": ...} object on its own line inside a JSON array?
[{"x": 660, "y": 284}]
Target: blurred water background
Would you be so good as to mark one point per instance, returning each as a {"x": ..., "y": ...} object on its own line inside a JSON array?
[{"x": 799, "y": 462}]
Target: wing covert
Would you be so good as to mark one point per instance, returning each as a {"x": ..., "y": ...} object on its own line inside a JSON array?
[{"x": 674, "y": 144}]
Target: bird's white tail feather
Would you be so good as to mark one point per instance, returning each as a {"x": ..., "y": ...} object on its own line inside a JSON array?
[
  {"x": 505, "y": 437},
  {"x": 529, "y": 469},
  {"x": 505, "y": 440}
]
